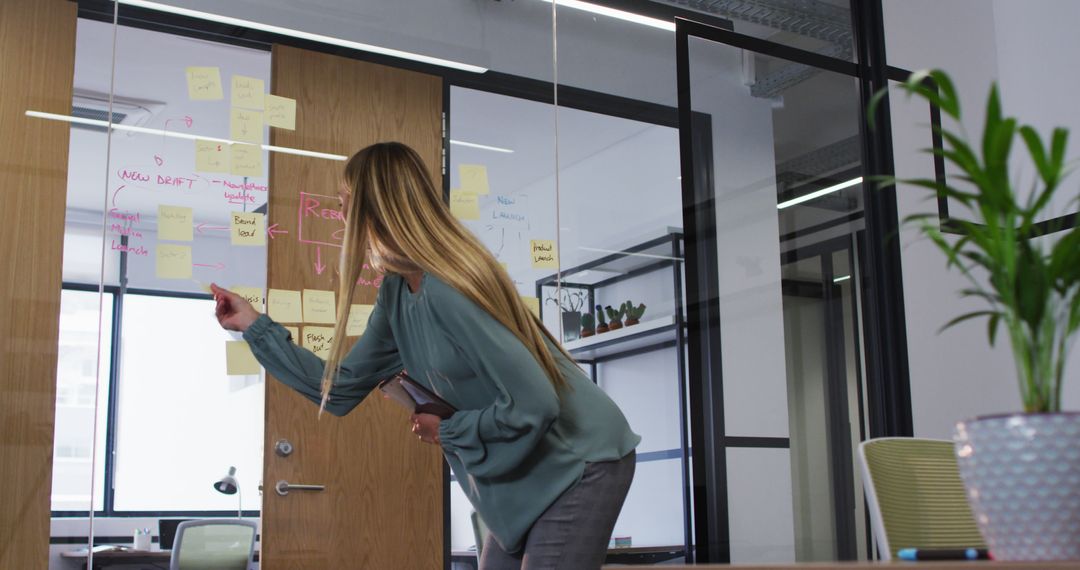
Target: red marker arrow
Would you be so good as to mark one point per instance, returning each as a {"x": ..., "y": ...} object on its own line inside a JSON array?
[
  {"x": 117, "y": 192},
  {"x": 187, "y": 121},
  {"x": 319, "y": 267},
  {"x": 218, "y": 265},
  {"x": 270, "y": 231},
  {"x": 205, "y": 227}
]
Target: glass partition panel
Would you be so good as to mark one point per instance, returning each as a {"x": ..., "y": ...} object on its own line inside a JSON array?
[
  {"x": 617, "y": 296},
  {"x": 511, "y": 140},
  {"x": 197, "y": 64},
  {"x": 174, "y": 413},
  {"x": 784, "y": 173},
  {"x": 90, "y": 272}
]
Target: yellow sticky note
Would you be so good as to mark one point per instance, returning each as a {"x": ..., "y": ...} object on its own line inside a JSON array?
[
  {"x": 174, "y": 223},
  {"x": 465, "y": 205},
  {"x": 238, "y": 358},
  {"x": 248, "y": 228},
  {"x": 358, "y": 318},
  {"x": 173, "y": 261},
  {"x": 281, "y": 112},
  {"x": 474, "y": 178},
  {"x": 246, "y": 160},
  {"x": 204, "y": 83},
  {"x": 543, "y": 254},
  {"x": 533, "y": 304},
  {"x": 253, "y": 295},
  {"x": 284, "y": 306},
  {"x": 246, "y": 126},
  {"x": 247, "y": 92},
  {"x": 319, "y": 306},
  {"x": 318, "y": 340},
  {"x": 294, "y": 333},
  {"x": 211, "y": 156}
]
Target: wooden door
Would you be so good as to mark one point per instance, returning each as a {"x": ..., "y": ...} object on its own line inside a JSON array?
[
  {"x": 383, "y": 503},
  {"x": 37, "y": 63}
]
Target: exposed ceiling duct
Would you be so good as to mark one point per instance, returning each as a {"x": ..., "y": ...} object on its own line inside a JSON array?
[
  {"x": 823, "y": 166},
  {"x": 814, "y": 19}
]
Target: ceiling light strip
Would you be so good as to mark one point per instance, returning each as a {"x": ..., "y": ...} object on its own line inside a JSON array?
[
  {"x": 178, "y": 135},
  {"x": 480, "y": 146},
  {"x": 819, "y": 193},
  {"x": 617, "y": 14},
  {"x": 304, "y": 35}
]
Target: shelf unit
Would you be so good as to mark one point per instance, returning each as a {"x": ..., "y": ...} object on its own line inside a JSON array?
[
  {"x": 663, "y": 253},
  {"x": 658, "y": 254}
]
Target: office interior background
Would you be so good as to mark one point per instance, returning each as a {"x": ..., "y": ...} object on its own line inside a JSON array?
[{"x": 716, "y": 170}]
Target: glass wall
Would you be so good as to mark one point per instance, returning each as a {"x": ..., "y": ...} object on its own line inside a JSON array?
[
  {"x": 784, "y": 176},
  {"x": 558, "y": 137},
  {"x": 621, "y": 249}
]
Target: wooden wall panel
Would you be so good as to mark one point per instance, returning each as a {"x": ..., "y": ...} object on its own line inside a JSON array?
[
  {"x": 383, "y": 506},
  {"x": 37, "y": 59}
]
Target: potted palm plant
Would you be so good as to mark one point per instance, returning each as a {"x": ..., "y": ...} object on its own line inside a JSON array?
[{"x": 1021, "y": 470}]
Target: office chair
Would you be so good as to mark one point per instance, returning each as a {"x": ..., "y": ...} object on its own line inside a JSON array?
[
  {"x": 915, "y": 496},
  {"x": 213, "y": 544},
  {"x": 480, "y": 533}
]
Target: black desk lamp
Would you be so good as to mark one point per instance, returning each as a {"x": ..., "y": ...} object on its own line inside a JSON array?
[{"x": 228, "y": 485}]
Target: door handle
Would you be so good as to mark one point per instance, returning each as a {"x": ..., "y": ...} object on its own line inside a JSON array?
[{"x": 283, "y": 487}]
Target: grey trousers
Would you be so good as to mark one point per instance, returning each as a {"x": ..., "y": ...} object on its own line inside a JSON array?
[{"x": 573, "y": 533}]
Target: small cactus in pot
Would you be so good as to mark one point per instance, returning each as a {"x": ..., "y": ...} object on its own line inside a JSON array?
[
  {"x": 615, "y": 316},
  {"x": 588, "y": 325},
  {"x": 602, "y": 327},
  {"x": 633, "y": 314}
]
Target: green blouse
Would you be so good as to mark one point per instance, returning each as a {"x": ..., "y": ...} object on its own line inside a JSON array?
[{"x": 514, "y": 444}]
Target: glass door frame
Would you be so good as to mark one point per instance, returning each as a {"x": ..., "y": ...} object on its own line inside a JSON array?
[{"x": 888, "y": 390}]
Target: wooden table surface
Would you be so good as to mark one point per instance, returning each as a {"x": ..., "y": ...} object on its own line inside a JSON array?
[{"x": 924, "y": 565}]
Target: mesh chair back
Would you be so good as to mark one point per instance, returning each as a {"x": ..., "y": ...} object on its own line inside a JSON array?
[
  {"x": 215, "y": 544},
  {"x": 915, "y": 495}
]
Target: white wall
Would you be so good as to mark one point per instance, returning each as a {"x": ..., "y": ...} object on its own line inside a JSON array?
[{"x": 955, "y": 374}]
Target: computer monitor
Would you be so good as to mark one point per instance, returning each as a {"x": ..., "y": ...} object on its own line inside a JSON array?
[{"x": 167, "y": 532}]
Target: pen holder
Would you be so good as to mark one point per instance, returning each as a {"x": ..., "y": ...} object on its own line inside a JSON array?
[{"x": 141, "y": 540}]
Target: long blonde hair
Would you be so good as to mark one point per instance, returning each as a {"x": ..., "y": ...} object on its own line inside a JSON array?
[{"x": 395, "y": 204}]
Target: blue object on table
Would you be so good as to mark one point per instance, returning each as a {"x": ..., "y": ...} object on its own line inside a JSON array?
[{"x": 943, "y": 554}]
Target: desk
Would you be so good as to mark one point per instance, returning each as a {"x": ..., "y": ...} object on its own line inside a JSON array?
[{"x": 159, "y": 558}]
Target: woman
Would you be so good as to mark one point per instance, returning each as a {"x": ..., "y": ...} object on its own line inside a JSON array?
[{"x": 544, "y": 456}]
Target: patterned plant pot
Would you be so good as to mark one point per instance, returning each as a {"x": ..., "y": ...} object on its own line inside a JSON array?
[{"x": 1022, "y": 473}]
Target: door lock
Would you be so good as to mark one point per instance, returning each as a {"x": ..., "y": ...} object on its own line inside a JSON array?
[{"x": 283, "y": 448}]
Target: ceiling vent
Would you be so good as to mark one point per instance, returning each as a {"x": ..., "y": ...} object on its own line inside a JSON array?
[{"x": 125, "y": 110}]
